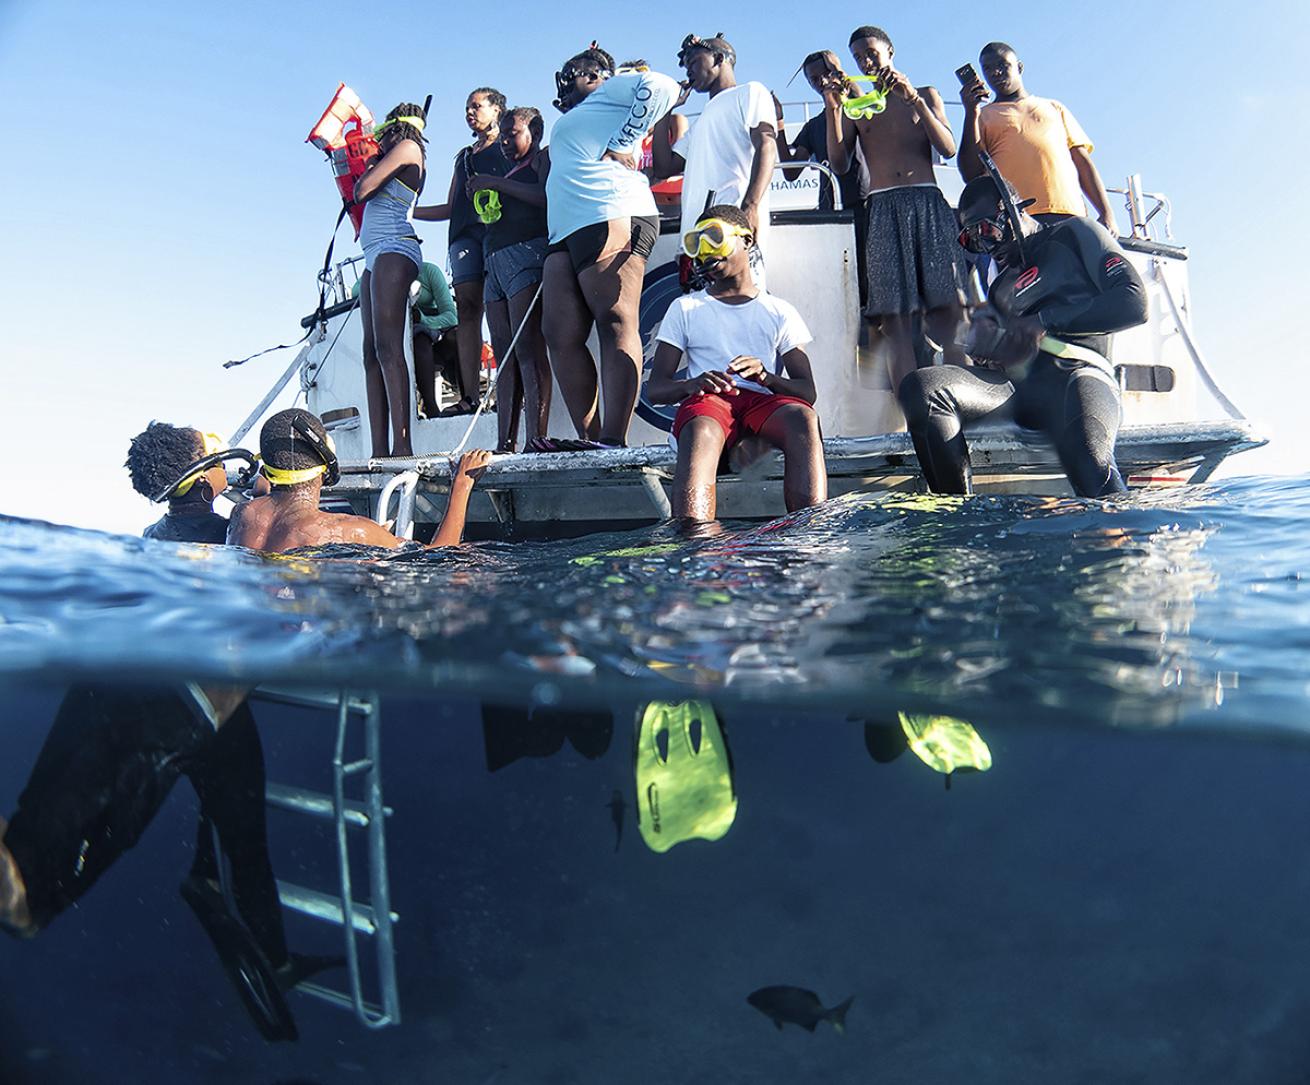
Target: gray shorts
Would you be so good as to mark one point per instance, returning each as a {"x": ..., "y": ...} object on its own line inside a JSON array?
[
  {"x": 913, "y": 254},
  {"x": 513, "y": 268}
]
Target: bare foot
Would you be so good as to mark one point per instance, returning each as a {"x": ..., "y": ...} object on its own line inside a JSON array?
[{"x": 14, "y": 914}]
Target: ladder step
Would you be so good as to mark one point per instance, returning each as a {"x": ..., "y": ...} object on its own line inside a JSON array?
[
  {"x": 325, "y": 906},
  {"x": 300, "y": 800},
  {"x": 354, "y": 768},
  {"x": 343, "y": 999},
  {"x": 304, "y": 699}
]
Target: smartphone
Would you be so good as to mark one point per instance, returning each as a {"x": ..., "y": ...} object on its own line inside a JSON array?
[{"x": 967, "y": 75}]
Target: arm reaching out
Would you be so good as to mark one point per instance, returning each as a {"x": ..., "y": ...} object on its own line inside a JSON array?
[{"x": 471, "y": 466}]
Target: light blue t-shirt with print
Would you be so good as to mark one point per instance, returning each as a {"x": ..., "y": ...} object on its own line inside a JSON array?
[{"x": 582, "y": 190}]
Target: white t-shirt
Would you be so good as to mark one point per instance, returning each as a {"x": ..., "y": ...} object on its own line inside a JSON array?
[
  {"x": 711, "y": 333},
  {"x": 719, "y": 153}
]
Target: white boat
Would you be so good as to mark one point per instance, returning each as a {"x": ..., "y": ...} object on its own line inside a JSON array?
[{"x": 1178, "y": 425}]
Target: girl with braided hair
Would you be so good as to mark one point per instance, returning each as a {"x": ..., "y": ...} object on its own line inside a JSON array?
[
  {"x": 392, "y": 259},
  {"x": 603, "y": 224}
]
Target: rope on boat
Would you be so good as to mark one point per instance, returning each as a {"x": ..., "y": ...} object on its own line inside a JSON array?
[
  {"x": 500, "y": 365},
  {"x": 1157, "y": 268}
]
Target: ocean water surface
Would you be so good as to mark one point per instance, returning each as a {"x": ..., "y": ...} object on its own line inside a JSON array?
[{"x": 1115, "y": 891}]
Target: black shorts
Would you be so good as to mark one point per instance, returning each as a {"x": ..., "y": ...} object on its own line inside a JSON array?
[{"x": 585, "y": 246}]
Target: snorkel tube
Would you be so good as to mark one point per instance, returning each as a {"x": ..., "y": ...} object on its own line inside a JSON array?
[
  {"x": 182, "y": 486},
  {"x": 1012, "y": 209}
]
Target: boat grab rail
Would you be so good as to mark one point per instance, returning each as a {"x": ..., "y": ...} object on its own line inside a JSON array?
[{"x": 407, "y": 483}]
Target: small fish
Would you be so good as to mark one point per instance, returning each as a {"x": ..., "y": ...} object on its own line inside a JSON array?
[
  {"x": 617, "y": 806},
  {"x": 797, "y": 1006}
]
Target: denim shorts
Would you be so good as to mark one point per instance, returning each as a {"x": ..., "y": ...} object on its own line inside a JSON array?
[
  {"x": 466, "y": 261},
  {"x": 404, "y": 246},
  {"x": 513, "y": 268}
]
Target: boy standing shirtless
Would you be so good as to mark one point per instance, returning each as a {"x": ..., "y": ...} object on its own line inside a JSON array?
[{"x": 914, "y": 262}]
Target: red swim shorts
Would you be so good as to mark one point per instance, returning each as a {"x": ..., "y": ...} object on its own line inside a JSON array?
[{"x": 740, "y": 415}]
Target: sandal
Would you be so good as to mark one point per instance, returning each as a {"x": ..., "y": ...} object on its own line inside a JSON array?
[{"x": 464, "y": 406}]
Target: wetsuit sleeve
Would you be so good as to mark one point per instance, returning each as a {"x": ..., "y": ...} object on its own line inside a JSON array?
[
  {"x": 1120, "y": 301},
  {"x": 653, "y": 95}
]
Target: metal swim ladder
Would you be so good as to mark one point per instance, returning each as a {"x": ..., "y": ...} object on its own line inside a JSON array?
[{"x": 372, "y": 919}]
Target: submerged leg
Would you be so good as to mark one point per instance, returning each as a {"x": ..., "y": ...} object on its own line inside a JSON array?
[{"x": 108, "y": 763}]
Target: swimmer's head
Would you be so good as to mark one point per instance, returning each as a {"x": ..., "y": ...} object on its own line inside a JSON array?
[
  {"x": 297, "y": 450},
  {"x": 160, "y": 455},
  {"x": 580, "y": 75}
]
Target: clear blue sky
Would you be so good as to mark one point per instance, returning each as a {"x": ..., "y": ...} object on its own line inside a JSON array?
[{"x": 167, "y": 214}]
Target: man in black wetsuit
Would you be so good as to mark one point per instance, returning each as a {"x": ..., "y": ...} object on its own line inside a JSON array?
[
  {"x": 113, "y": 755},
  {"x": 158, "y": 458},
  {"x": 1039, "y": 345}
]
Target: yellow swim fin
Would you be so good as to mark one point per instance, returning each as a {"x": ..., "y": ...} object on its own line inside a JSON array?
[
  {"x": 684, "y": 774},
  {"x": 946, "y": 744}
]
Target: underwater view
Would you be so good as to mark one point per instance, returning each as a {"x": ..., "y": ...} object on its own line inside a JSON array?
[{"x": 900, "y": 787}]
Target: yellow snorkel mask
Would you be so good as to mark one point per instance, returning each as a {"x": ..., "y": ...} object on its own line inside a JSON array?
[
  {"x": 416, "y": 122},
  {"x": 213, "y": 443},
  {"x": 323, "y": 447},
  {"x": 860, "y": 107},
  {"x": 486, "y": 202},
  {"x": 712, "y": 238}
]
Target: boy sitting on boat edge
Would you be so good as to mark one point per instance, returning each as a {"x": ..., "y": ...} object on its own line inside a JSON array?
[{"x": 747, "y": 372}]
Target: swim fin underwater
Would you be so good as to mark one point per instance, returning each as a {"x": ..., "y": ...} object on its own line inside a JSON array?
[
  {"x": 797, "y": 1006},
  {"x": 260, "y": 986},
  {"x": 510, "y": 732},
  {"x": 943, "y": 743},
  {"x": 683, "y": 772}
]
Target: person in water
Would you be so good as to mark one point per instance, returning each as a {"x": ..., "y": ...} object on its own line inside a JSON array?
[
  {"x": 113, "y": 755},
  {"x": 1042, "y": 342},
  {"x": 392, "y": 259},
  {"x": 516, "y": 245},
  {"x": 482, "y": 112},
  {"x": 298, "y": 458},
  {"x": 747, "y": 372},
  {"x": 157, "y": 459},
  {"x": 603, "y": 225}
]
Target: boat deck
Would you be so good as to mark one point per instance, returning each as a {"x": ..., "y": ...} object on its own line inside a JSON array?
[{"x": 614, "y": 486}]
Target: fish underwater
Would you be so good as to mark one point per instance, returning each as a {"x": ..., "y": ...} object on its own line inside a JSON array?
[
  {"x": 616, "y": 807},
  {"x": 797, "y": 1006}
]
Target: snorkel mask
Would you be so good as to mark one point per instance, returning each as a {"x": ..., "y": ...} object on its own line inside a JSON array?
[
  {"x": 1011, "y": 210},
  {"x": 216, "y": 452},
  {"x": 323, "y": 447},
  {"x": 567, "y": 76},
  {"x": 712, "y": 239},
  {"x": 486, "y": 202},
  {"x": 716, "y": 44},
  {"x": 860, "y": 107}
]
